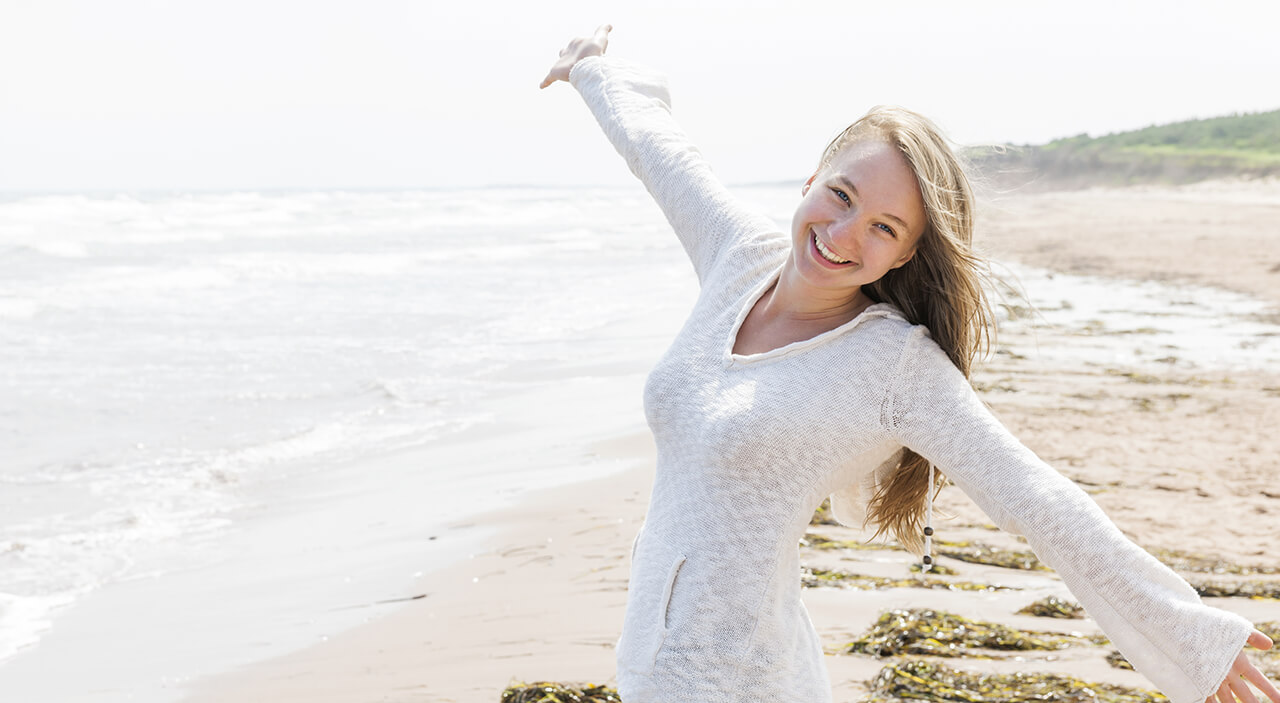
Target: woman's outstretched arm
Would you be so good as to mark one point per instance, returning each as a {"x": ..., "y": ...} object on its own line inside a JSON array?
[
  {"x": 633, "y": 106},
  {"x": 1191, "y": 651}
]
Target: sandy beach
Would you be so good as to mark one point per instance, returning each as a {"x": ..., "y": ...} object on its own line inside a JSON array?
[{"x": 1182, "y": 456}]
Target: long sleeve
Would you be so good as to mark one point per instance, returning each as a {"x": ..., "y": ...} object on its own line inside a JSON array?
[
  {"x": 633, "y": 106},
  {"x": 1153, "y": 616}
]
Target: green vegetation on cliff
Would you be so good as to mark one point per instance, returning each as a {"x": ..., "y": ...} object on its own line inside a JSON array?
[{"x": 1240, "y": 145}]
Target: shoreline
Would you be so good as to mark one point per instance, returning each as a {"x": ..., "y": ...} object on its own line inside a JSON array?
[{"x": 534, "y": 540}]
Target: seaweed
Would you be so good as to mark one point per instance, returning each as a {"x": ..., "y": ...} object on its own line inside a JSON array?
[
  {"x": 822, "y": 516},
  {"x": 1134, "y": 376},
  {"x": 942, "y": 634},
  {"x": 1238, "y": 589},
  {"x": 551, "y": 692},
  {"x": 980, "y": 553},
  {"x": 1186, "y": 561},
  {"x": 1117, "y": 660},
  {"x": 816, "y": 541},
  {"x": 1053, "y": 607},
  {"x": 935, "y": 568},
  {"x": 811, "y": 577},
  {"x": 1003, "y": 385},
  {"x": 980, "y": 526},
  {"x": 917, "y": 679}
]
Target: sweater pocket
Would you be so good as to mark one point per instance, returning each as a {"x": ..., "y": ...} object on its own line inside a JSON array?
[
  {"x": 664, "y": 606},
  {"x": 648, "y": 619}
]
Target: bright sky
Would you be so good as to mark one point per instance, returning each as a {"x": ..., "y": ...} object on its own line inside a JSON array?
[{"x": 147, "y": 94}]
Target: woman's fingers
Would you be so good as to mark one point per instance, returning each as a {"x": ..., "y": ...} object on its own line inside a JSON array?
[
  {"x": 1257, "y": 678},
  {"x": 1241, "y": 689},
  {"x": 576, "y": 50},
  {"x": 602, "y": 35},
  {"x": 1259, "y": 640}
]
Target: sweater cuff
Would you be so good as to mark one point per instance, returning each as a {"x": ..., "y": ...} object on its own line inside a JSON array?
[{"x": 585, "y": 66}]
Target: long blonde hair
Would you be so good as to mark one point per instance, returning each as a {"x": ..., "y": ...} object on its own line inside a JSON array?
[{"x": 941, "y": 287}]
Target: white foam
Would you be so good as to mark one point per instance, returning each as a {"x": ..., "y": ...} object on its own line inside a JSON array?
[{"x": 25, "y": 618}]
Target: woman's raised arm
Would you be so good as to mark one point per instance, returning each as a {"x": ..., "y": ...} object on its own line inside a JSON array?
[{"x": 633, "y": 106}]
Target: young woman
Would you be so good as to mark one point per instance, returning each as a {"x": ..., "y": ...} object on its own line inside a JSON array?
[{"x": 833, "y": 361}]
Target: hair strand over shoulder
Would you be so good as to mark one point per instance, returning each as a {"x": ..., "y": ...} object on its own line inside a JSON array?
[{"x": 940, "y": 288}]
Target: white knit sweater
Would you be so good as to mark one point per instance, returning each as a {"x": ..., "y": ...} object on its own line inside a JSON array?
[{"x": 749, "y": 445}]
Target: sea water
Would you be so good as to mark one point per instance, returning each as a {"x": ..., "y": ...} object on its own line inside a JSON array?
[
  {"x": 192, "y": 386},
  {"x": 174, "y": 367}
]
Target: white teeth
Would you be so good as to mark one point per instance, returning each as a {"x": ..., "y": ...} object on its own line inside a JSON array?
[{"x": 826, "y": 253}]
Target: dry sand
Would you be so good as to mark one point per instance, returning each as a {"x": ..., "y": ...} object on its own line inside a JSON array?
[
  {"x": 1216, "y": 233},
  {"x": 1179, "y": 460}
]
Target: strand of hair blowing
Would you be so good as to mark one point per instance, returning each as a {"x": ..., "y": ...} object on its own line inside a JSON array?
[{"x": 940, "y": 288}]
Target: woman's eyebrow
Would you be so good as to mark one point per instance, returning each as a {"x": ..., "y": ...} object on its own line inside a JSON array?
[{"x": 844, "y": 181}]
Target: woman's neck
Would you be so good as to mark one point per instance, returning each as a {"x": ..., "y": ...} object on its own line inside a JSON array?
[{"x": 792, "y": 300}]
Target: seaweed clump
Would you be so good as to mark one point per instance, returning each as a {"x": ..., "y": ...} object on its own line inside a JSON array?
[
  {"x": 916, "y": 680},
  {"x": 943, "y": 634},
  {"x": 811, "y": 577},
  {"x": 1239, "y": 589},
  {"x": 1186, "y": 561},
  {"x": 822, "y": 516},
  {"x": 1053, "y": 607},
  {"x": 813, "y": 540},
  {"x": 1117, "y": 660},
  {"x": 934, "y": 568},
  {"x": 551, "y": 692},
  {"x": 979, "y": 553}
]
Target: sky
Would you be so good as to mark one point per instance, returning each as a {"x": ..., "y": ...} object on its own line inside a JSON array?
[{"x": 285, "y": 94}]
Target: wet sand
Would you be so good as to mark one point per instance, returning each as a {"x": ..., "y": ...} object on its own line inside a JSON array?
[{"x": 1179, "y": 457}]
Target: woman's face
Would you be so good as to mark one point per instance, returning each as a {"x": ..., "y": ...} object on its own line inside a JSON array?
[{"x": 861, "y": 216}]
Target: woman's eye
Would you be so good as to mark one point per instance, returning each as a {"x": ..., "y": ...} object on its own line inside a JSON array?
[
  {"x": 887, "y": 229},
  {"x": 844, "y": 197}
]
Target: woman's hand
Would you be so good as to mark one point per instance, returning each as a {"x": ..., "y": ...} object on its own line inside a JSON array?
[
  {"x": 577, "y": 50},
  {"x": 1243, "y": 670}
]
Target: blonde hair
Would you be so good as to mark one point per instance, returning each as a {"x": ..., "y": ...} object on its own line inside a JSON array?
[{"x": 941, "y": 287}]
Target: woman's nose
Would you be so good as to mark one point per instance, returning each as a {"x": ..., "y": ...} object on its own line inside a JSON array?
[{"x": 845, "y": 229}]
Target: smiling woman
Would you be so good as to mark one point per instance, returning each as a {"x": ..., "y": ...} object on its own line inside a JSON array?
[
  {"x": 834, "y": 362},
  {"x": 843, "y": 238}
]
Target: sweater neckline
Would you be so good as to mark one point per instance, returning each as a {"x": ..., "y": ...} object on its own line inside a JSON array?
[{"x": 731, "y": 359}]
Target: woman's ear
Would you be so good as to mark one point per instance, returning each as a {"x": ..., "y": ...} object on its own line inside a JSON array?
[
  {"x": 907, "y": 257},
  {"x": 805, "y": 189}
]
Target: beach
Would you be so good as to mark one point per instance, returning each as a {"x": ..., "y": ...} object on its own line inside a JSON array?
[
  {"x": 1179, "y": 453},
  {"x": 368, "y": 558}
]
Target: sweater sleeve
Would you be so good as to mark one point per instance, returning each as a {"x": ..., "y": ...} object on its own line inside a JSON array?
[
  {"x": 633, "y": 106},
  {"x": 1151, "y": 614}
]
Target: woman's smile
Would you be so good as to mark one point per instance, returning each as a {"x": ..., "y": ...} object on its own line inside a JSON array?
[{"x": 825, "y": 254}]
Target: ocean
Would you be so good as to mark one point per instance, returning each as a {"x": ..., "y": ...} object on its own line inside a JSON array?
[{"x": 211, "y": 403}]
